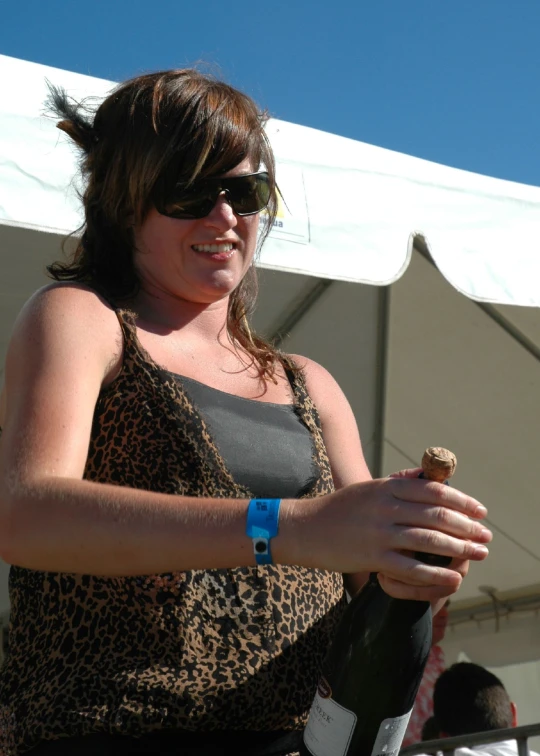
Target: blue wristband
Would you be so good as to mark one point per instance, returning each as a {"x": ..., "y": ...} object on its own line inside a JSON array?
[{"x": 261, "y": 526}]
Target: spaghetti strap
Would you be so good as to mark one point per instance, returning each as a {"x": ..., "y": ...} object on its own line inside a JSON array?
[{"x": 127, "y": 320}]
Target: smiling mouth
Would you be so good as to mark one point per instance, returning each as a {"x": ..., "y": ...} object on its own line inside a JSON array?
[{"x": 214, "y": 249}]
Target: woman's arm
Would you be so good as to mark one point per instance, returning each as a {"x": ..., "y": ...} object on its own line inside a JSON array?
[
  {"x": 66, "y": 343},
  {"x": 343, "y": 444}
]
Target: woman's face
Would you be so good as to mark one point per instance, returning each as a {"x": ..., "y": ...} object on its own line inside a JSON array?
[{"x": 201, "y": 260}]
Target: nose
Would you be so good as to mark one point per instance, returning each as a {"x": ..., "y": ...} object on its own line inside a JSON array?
[{"x": 222, "y": 215}]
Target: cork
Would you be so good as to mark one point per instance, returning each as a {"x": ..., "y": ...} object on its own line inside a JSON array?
[{"x": 438, "y": 464}]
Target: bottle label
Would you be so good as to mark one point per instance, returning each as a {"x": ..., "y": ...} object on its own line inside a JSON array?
[
  {"x": 390, "y": 736},
  {"x": 330, "y": 726}
]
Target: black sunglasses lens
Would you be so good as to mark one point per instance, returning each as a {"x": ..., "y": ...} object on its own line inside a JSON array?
[
  {"x": 189, "y": 203},
  {"x": 247, "y": 194}
]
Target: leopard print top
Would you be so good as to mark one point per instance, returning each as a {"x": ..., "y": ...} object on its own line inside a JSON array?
[{"x": 227, "y": 649}]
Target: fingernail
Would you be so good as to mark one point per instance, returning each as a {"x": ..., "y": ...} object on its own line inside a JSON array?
[
  {"x": 486, "y": 535},
  {"x": 480, "y": 511},
  {"x": 481, "y": 551}
]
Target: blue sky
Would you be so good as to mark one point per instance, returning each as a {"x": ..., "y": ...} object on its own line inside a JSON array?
[{"x": 454, "y": 81}]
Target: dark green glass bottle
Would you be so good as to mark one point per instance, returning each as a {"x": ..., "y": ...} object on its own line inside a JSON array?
[
  {"x": 370, "y": 677},
  {"x": 375, "y": 664}
]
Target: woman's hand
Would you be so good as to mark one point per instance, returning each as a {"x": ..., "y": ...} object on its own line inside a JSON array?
[{"x": 378, "y": 525}]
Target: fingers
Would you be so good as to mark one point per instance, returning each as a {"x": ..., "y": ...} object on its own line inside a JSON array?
[
  {"x": 429, "y": 492},
  {"x": 401, "y": 590},
  {"x": 379, "y": 525},
  {"x": 440, "y": 519},
  {"x": 461, "y": 566},
  {"x": 413, "y": 539},
  {"x": 413, "y": 472},
  {"x": 404, "y": 577},
  {"x": 436, "y": 519}
]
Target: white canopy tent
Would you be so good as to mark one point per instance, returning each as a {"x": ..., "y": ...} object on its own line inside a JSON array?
[{"x": 366, "y": 272}]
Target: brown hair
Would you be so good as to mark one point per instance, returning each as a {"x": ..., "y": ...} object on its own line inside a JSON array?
[{"x": 181, "y": 125}]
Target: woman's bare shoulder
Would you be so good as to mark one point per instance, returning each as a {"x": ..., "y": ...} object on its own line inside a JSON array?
[
  {"x": 67, "y": 319},
  {"x": 318, "y": 378},
  {"x": 67, "y": 297},
  {"x": 60, "y": 309}
]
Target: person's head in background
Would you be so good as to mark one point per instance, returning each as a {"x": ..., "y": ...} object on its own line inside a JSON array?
[
  {"x": 440, "y": 622},
  {"x": 468, "y": 698}
]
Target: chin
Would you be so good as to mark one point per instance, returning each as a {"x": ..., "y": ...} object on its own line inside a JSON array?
[{"x": 219, "y": 287}]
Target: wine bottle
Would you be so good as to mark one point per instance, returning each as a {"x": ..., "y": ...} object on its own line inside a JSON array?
[{"x": 375, "y": 663}]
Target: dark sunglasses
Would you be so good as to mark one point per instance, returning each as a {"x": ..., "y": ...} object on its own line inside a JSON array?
[{"x": 247, "y": 194}]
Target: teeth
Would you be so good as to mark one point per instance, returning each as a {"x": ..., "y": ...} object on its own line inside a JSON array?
[{"x": 213, "y": 248}]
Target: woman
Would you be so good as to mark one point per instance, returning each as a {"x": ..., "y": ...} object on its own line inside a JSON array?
[{"x": 141, "y": 417}]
